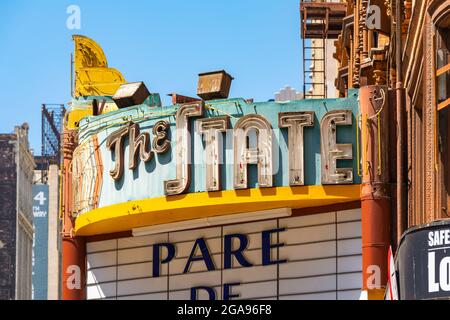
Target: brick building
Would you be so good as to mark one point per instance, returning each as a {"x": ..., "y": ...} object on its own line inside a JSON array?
[{"x": 16, "y": 219}]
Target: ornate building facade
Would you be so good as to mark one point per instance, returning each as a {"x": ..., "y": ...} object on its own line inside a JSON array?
[{"x": 404, "y": 45}]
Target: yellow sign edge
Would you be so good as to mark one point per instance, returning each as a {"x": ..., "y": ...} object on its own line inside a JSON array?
[{"x": 154, "y": 211}]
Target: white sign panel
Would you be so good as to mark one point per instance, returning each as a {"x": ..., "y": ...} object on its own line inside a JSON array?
[{"x": 304, "y": 257}]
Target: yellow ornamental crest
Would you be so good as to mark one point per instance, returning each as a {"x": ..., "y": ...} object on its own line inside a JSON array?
[{"x": 92, "y": 75}]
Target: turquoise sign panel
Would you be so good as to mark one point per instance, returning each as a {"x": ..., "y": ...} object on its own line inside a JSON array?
[{"x": 147, "y": 180}]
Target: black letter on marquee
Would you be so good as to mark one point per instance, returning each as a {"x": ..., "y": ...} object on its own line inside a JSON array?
[
  {"x": 228, "y": 252},
  {"x": 267, "y": 246},
  {"x": 206, "y": 257},
  {"x": 157, "y": 256},
  {"x": 227, "y": 288}
]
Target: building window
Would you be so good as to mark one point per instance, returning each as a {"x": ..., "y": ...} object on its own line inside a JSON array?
[
  {"x": 443, "y": 120},
  {"x": 443, "y": 68}
]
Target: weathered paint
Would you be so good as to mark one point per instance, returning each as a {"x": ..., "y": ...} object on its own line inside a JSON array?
[
  {"x": 146, "y": 181},
  {"x": 141, "y": 191},
  {"x": 140, "y": 213},
  {"x": 73, "y": 248},
  {"x": 375, "y": 188}
]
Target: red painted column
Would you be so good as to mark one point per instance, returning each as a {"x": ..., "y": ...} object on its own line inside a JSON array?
[
  {"x": 375, "y": 193},
  {"x": 73, "y": 248}
]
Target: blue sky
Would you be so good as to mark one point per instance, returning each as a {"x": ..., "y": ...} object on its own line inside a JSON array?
[{"x": 164, "y": 43}]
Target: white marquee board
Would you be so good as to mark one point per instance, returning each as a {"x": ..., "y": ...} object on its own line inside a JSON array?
[{"x": 323, "y": 253}]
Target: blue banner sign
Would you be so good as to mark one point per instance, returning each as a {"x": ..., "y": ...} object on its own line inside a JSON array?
[{"x": 40, "y": 243}]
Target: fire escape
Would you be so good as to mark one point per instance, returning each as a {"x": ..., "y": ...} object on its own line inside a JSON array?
[
  {"x": 320, "y": 20},
  {"x": 52, "y": 120}
]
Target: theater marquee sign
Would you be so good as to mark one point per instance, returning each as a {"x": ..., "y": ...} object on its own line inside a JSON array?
[{"x": 221, "y": 151}]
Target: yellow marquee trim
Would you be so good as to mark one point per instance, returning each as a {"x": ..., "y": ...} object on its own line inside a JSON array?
[{"x": 134, "y": 214}]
